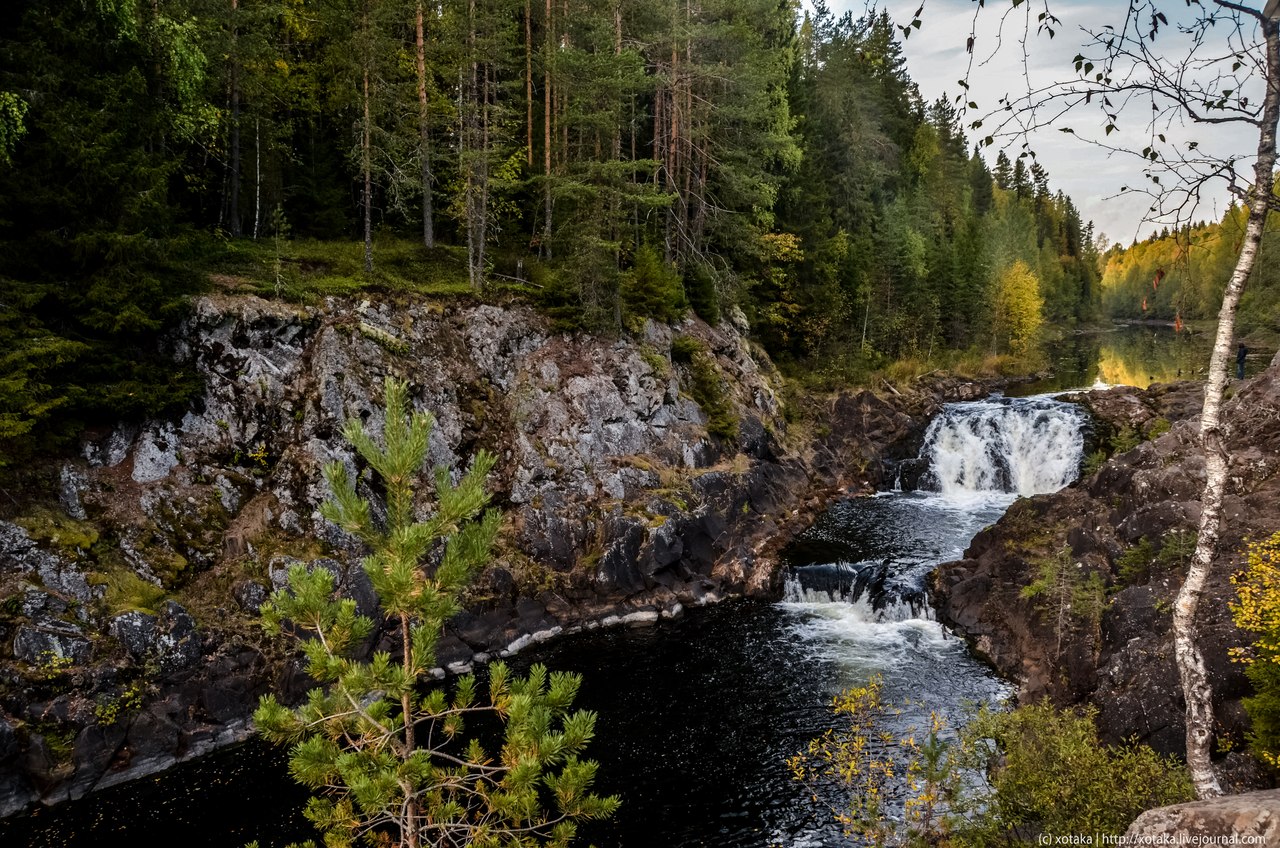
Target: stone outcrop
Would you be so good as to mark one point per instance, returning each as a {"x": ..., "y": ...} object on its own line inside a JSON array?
[
  {"x": 128, "y": 639},
  {"x": 1249, "y": 819},
  {"x": 1129, "y": 527}
]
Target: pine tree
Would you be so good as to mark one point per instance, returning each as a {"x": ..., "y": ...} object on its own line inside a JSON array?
[{"x": 388, "y": 758}]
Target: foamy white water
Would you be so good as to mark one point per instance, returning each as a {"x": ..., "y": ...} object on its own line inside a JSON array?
[
  {"x": 864, "y": 611},
  {"x": 1021, "y": 446}
]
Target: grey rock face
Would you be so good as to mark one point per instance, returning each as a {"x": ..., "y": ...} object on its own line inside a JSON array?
[
  {"x": 20, "y": 556},
  {"x": 170, "y": 639},
  {"x": 155, "y": 455},
  {"x": 621, "y": 508},
  {"x": 70, "y": 482},
  {"x": 48, "y": 641}
]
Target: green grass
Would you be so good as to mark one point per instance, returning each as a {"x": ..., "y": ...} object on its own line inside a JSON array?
[{"x": 307, "y": 269}]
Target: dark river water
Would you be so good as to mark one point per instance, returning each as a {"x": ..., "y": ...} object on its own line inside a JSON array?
[{"x": 697, "y": 716}]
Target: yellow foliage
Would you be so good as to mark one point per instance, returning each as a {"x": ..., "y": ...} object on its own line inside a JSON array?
[
  {"x": 1019, "y": 307},
  {"x": 1259, "y": 608},
  {"x": 1258, "y": 612},
  {"x": 781, "y": 247},
  {"x": 874, "y": 766}
]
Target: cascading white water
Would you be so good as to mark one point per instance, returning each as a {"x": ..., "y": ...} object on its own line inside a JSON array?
[
  {"x": 867, "y": 587},
  {"x": 1022, "y": 446},
  {"x": 979, "y": 455}
]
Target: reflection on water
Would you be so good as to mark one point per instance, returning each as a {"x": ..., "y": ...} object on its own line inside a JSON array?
[
  {"x": 1140, "y": 356},
  {"x": 1130, "y": 355}
]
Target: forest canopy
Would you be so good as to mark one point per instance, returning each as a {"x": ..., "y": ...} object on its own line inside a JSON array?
[{"x": 613, "y": 161}]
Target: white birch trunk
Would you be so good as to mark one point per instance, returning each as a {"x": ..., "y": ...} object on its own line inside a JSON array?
[{"x": 1196, "y": 687}]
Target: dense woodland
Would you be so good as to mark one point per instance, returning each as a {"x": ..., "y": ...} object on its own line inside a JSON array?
[
  {"x": 1179, "y": 275},
  {"x": 612, "y": 161}
]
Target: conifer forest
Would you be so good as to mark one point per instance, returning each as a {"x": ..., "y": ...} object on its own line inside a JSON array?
[
  {"x": 612, "y": 160},
  {"x": 639, "y": 423}
]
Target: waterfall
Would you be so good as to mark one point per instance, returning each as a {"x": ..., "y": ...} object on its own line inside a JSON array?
[
  {"x": 977, "y": 456},
  {"x": 1022, "y": 446},
  {"x": 872, "y": 587}
]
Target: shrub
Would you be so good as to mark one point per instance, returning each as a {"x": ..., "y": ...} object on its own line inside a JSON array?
[
  {"x": 1050, "y": 774},
  {"x": 1044, "y": 771},
  {"x": 703, "y": 297},
  {"x": 1134, "y": 565},
  {"x": 1258, "y": 612},
  {"x": 1065, "y": 590},
  {"x": 707, "y": 388},
  {"x": 683, "y": 349}
]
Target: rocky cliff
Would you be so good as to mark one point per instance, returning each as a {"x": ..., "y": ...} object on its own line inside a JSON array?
[
  {"x": 127, "y": 629},
  {"x": 1115, "y": 546}
]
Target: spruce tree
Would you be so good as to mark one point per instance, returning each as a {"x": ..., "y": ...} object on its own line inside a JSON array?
[{"x": 388, "y": 757}]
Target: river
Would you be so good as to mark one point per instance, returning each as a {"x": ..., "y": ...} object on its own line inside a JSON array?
[{"x": 698, "y": 715}]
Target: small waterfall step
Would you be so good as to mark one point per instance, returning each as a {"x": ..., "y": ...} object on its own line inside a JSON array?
[{"x": 872, "y": 585}]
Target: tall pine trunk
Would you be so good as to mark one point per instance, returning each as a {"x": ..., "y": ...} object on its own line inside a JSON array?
[
  {"x": 234, "y": 61},
  {"x": 474, "y": 143},
  {"x": 546, "y": 134},
  {"x": 1196, "y": 688},
  {"x": 424, "y": 131},
  {"x": 366, "y": 150},
  {"x": 257, "y": 177},
  {"x": 528, "y": 83}
]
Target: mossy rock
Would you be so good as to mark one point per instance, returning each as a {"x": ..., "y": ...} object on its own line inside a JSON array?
[{"x": 59, "y": 530}]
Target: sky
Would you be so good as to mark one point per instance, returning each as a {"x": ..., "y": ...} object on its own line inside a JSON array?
[{"x": 1092, "y": 177}]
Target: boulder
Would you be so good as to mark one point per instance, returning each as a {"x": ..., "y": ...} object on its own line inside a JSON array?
[
  {"x": 169, "y": 639},
  {"x": 1249, "y": 819},
  {"x": 48, "y": 641},
  {"x": 136, "y": 632}
]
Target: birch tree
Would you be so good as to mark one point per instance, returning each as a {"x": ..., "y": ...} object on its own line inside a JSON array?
[{"x": 1223, "y": 70}]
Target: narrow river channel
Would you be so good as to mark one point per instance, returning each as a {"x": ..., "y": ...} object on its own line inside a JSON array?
[{"x": 698, "y": 716}]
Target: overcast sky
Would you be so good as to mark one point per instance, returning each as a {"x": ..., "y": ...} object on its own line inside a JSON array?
[{"x": 1092, "y": 177}]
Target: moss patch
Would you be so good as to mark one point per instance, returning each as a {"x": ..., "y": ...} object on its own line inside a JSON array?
[{"x": 58, "y": 530}]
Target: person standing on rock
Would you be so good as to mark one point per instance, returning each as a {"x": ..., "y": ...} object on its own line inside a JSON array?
[{"x": 1241, "y": 353}]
